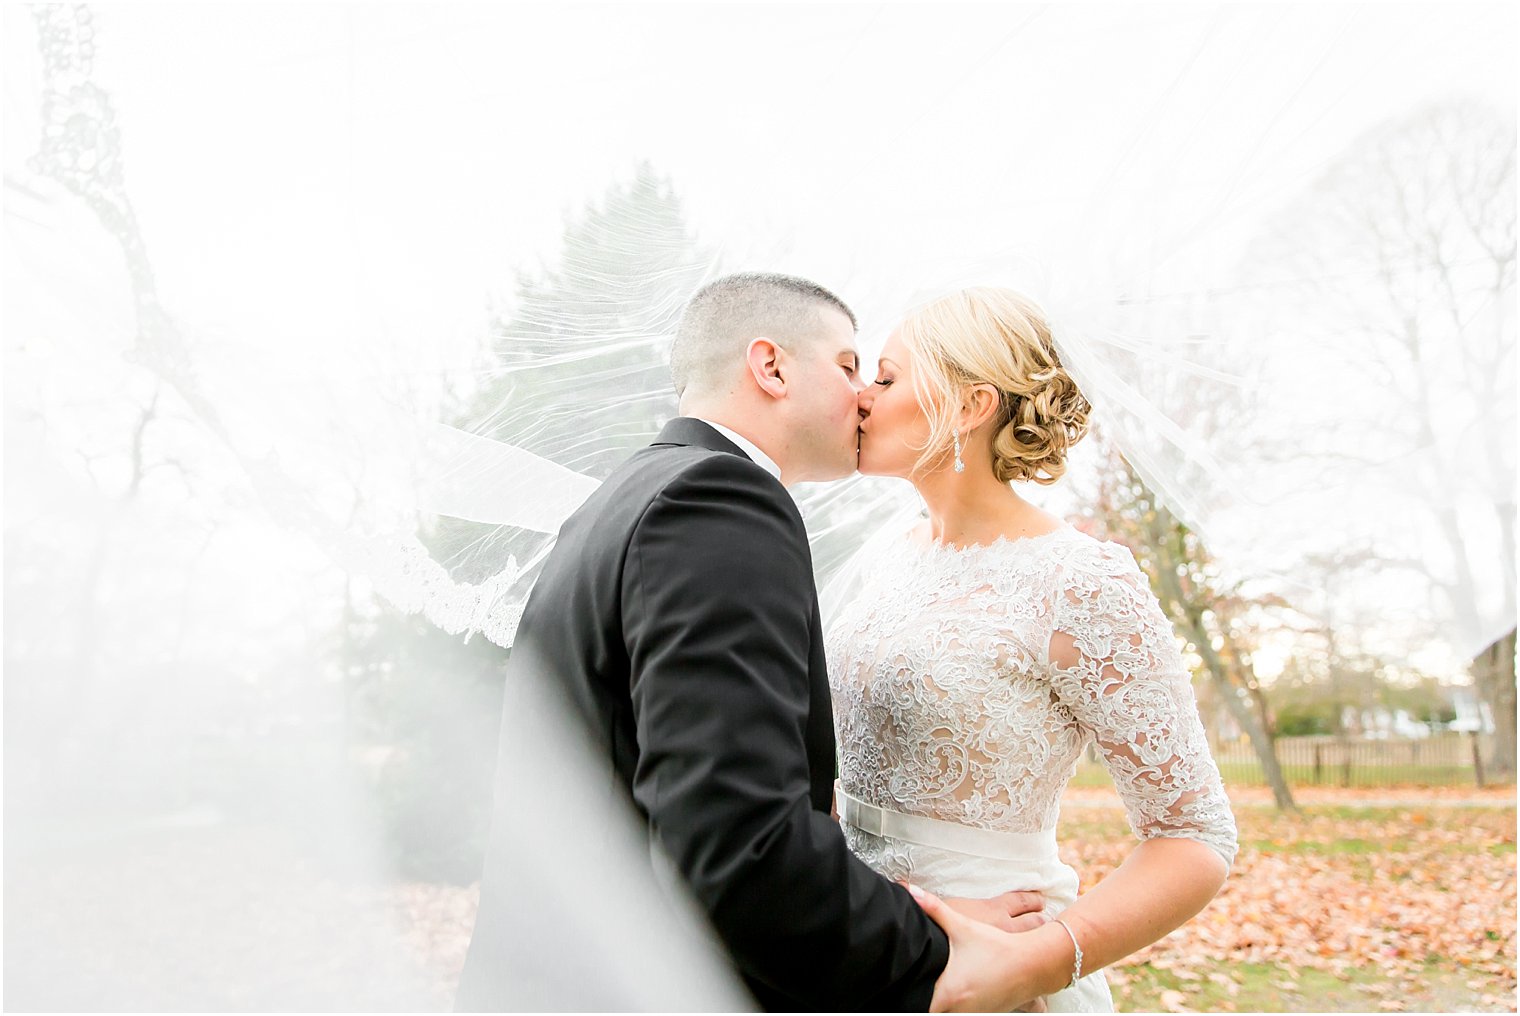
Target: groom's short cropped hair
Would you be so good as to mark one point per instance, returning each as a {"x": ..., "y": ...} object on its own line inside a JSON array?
[{"x": 720, "y": 320}]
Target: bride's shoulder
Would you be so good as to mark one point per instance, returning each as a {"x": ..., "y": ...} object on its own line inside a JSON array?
[{"x": 1082, "y": 553}]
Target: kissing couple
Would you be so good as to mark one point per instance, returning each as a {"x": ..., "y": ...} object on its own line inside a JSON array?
[{"x": 981, "y": 651}]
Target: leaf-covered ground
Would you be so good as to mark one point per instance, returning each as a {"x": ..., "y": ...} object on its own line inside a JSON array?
[{"x": 1370, "y": 900}]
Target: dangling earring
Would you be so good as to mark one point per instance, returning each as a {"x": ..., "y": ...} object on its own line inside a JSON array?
[{"x": 960, "y": 467}]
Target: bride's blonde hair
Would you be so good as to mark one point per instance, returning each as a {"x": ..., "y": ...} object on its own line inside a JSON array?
[{"x": 998, "y": 337}]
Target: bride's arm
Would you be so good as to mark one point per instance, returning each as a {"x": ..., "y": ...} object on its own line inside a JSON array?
[
  {"x": 1114, "y": 663},
  {"x": 1116, "y": 671},
  {"x": 1159, "y": 886}
]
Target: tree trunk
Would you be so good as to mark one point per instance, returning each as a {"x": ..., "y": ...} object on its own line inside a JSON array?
[
  {"x": 1494, "y": 674},
  {"x": 1250, "y": 722},
  {"x": 1192, "y": 624}
]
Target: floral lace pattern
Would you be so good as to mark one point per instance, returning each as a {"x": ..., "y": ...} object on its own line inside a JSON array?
[{"x": 967, "y": 682}]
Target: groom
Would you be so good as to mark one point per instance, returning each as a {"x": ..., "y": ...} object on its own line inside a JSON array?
[{"x": 678, "y": 614}]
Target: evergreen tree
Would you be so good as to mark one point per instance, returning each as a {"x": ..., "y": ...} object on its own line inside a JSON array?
[
  {"x": 578, "y": 373},
  {"x": 594, "y": 333},
  {"x": 579, "y": 369}
]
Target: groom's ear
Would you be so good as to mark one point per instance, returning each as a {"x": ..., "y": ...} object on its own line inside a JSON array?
[{"x": 763, "y": 358}]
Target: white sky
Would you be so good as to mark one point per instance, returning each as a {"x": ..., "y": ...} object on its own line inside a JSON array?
[
  {"x": 332, "y": 191},
  {"x": 406, "y": 159}
]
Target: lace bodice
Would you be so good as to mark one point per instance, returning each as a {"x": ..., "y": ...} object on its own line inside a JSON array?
[{"x": 967, "y": 682}]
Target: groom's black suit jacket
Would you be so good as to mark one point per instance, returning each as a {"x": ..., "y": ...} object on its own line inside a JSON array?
[{"x": 678, "y": 612}]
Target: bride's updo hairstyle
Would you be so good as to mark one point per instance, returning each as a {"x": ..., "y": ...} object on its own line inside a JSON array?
[{"x": 998, "y": 337}]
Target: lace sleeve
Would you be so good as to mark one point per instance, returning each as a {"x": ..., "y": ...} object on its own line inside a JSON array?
[{"x": 1115, "y": 664}]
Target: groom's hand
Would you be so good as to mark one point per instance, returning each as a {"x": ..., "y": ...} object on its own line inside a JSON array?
[
  {"x": 987, "y": 971},
  {"x": 1015, "y": 911}
]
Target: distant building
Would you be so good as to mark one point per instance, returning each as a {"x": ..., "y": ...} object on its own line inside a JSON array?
[
  {"x": 1381, "y": 723},
  {"x": 1472, "y": 714}
]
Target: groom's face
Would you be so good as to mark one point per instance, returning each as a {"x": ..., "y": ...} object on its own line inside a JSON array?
[{"x": 825, "y": 435}]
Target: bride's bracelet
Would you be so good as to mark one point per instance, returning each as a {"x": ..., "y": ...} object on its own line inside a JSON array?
[{"x": 1076, "y": 967}]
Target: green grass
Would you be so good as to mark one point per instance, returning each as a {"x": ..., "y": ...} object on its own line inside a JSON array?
[
  {"x": 1260, "y": 987},
  {"x": 1091, "y": 776},
  {"x": 1358, "y": 812},
  {"x": 1361, "y": 775}
]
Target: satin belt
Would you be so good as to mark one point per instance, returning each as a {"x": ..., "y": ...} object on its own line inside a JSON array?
[{"x": 934, "y": 832}]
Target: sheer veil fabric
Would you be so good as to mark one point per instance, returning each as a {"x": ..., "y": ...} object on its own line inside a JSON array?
[
  {"x": 401, "y": 282},
  {"x": 1199, "y": 389}
]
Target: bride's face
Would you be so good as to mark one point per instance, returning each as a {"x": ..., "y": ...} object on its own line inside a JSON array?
[{"x": 893, "y": 427}]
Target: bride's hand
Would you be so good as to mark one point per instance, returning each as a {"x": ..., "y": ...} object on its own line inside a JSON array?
[
  {"x": 989, "y": 970},
  {"x": 1012, "y": 911},
  {"x": 1015, "y": 911}
]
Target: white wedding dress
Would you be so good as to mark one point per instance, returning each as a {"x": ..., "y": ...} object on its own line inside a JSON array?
[{"x": 966, "y": 684}]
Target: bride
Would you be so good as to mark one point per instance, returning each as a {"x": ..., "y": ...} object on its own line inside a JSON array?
[{"x": 986, "y": 646}]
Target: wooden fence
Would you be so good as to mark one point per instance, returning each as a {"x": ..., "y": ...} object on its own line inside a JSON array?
[
  {"x": 1446, "y": 759},
  {"x": 1439, "y": 760}
]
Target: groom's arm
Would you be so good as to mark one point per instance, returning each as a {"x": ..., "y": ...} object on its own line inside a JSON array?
[{"x": 717, "y": 593}]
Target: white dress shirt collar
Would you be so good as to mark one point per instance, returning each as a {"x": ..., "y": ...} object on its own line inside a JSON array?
[{"x": 761, "y": 459}]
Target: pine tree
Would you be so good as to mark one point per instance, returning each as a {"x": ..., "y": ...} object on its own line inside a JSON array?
[
  {"x": 592, "y": 336},
  {"x": 580, "y": 365},
  {"x": 578, "y": 374}
]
